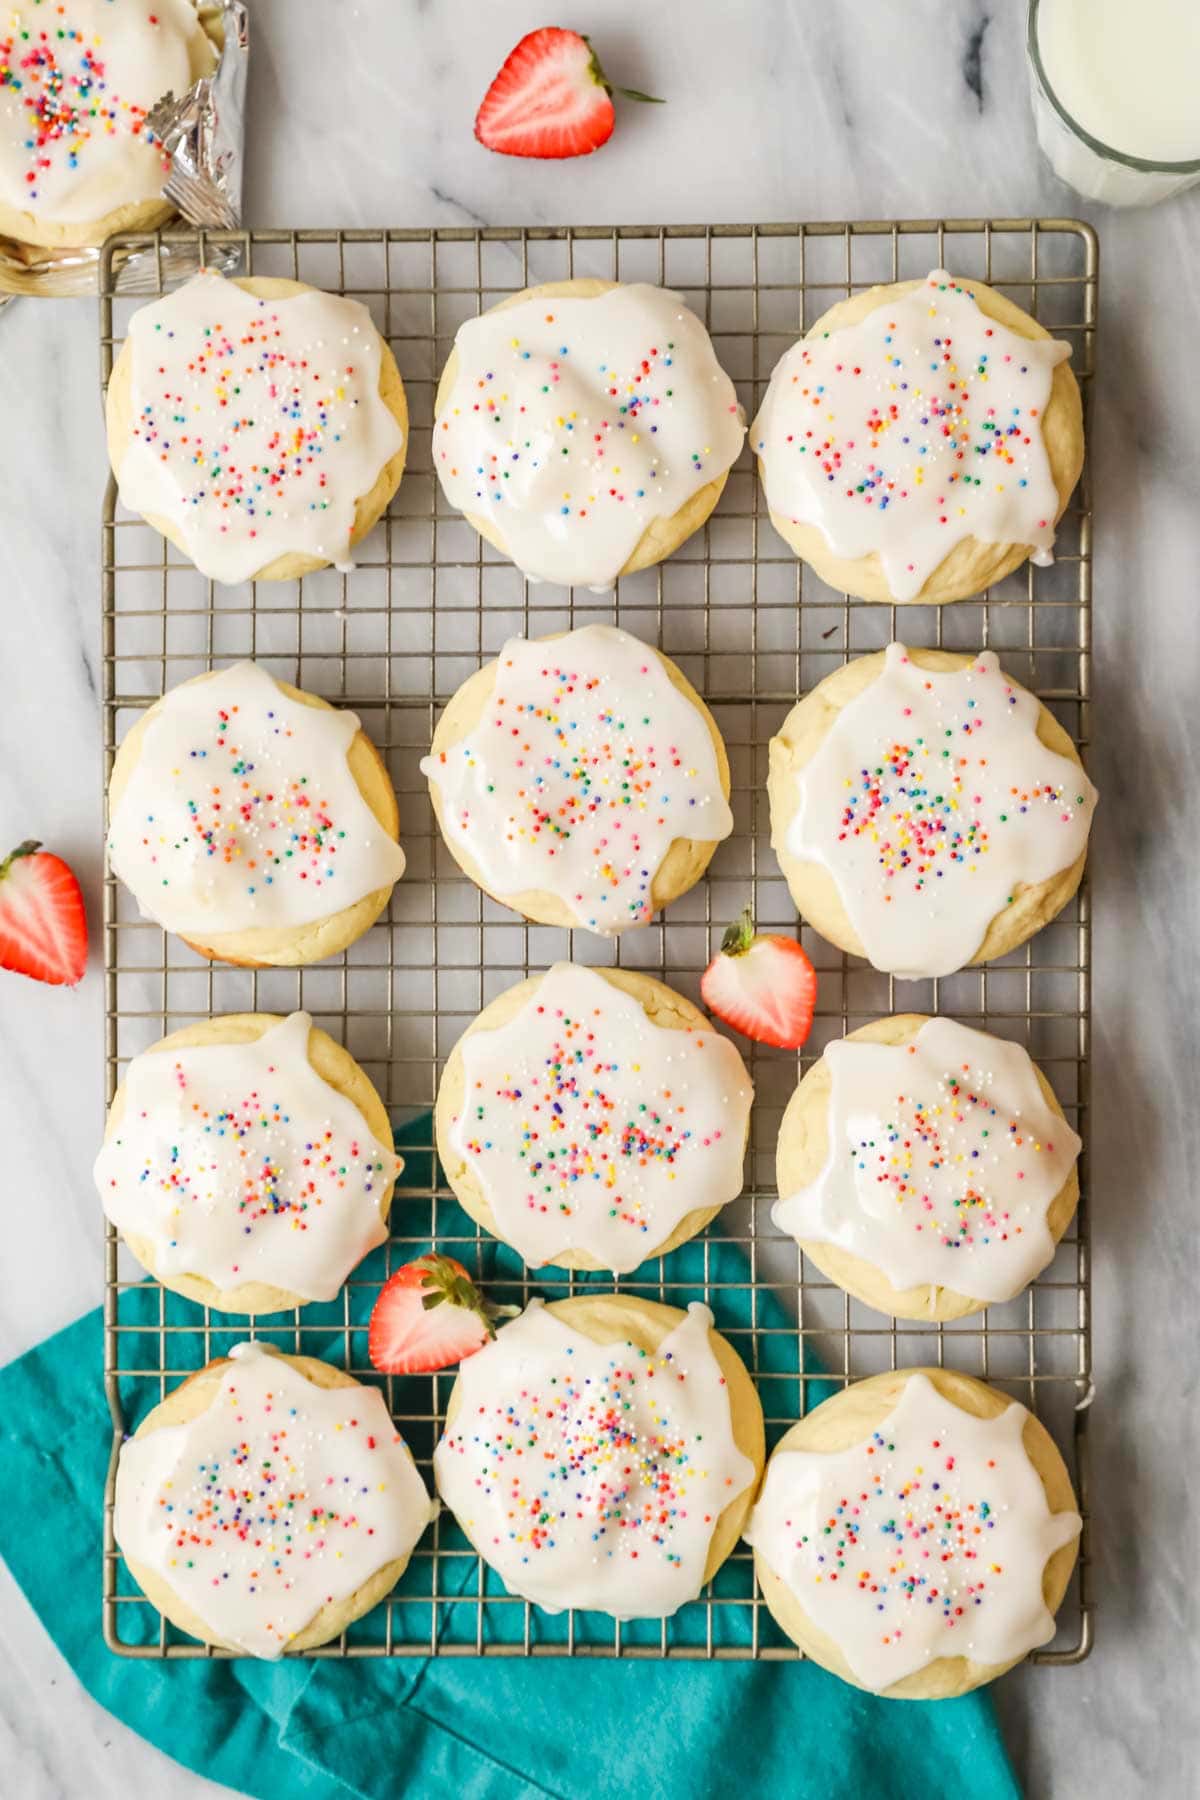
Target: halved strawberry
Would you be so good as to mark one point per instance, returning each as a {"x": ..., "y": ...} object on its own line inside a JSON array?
[
  {"x": 430, "y": 1314},
  {"x": 765, "y": 987},
  {"x": 550, "y": 99},
  {"x": 43, "y": 928}
]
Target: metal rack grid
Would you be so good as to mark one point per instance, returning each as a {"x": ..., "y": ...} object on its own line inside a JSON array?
[{"x": 752, "y": 628}]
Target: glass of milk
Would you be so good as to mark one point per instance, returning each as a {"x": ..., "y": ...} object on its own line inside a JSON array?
[{"x": 1116, "y": 95}]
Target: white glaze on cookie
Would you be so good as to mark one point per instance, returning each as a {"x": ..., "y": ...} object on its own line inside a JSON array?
[
  {"x": 241, "y": 811},
  {"x": 912, "y": 430},
  {"x": 593, "y": 1475},
  {"x": 77, "y": 78},
  {"x": 943, "y": 1160},
  {"x": 927, "y": 1539},
  {"x": 277, "y": 1499},
  {"x": 238, "y": 1163},
  {"x": 573, "y": 424},
  {"x": 930, "y": 801},
  {"x": 585, "y": 767},
  {"x": 257, "y": 424},
  {"x": 589, "y": 1127}
]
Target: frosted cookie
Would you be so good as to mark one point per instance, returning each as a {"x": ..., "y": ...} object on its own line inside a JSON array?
[
  {"x": 921, "y": 441},
  {"x": 602, "y": 1453},
  {"x": 259, "y": 424},
  {"x": 585, "y": 428},
  {"x": 926, "y": 1168},
  {"x": 268, "y": 1502},
  {"x": 915, "y": 1534},
  {"x": 593, "y": 1118},
  {"x": 248, "y": 1163},
  {"x": 257, "y": 822},
  {"x": 926, "y": 811},
  {"x": 77, "y": 79},
  {"x": 580, "y": 779}
]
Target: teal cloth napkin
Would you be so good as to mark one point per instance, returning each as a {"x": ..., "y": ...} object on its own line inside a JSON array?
[{"x": 491, "y": 1729}]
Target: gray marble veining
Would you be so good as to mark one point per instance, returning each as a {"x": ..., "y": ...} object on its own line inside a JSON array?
[{"x": 776, "y": 109}]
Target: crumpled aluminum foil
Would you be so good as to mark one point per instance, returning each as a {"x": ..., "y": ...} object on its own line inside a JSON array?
[{"x": 203, "y": 133}]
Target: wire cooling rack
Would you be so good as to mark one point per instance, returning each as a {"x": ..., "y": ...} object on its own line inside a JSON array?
[{"x": 752, "y": 628}]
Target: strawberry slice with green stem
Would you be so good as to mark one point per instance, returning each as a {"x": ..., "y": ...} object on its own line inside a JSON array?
[
  {"x": 765, "y": 987},
  {"x": 429, "y": 1315},
  {"x": 43, "y": 927},
  {"x": 551, "y": 99}
]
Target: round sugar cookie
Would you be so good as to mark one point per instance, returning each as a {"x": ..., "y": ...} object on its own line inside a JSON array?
[
  {"x": 600, "y": 1112},
  {"x": 192, "y": 839},
  {"x": 620, "y": 437},
  {"x": 320, "y": 447},
  {"x": 610, "y": 800},
  {"x": 76, "y": 162},
  {"x": 907, "y": 821},
  {"x": 242, "y": 1591},
  {"x": 956, "y": 1556},
  {"x": 622, "y": 1512},
  {"x": 270, "y": 1159},
  {"x": 957, "y": 1175},
  {"x": 908, "y": 415}
]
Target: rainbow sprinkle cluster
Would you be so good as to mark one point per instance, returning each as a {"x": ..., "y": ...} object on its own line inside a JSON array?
[
  {"x": 921, "y": 809},
  {"x": 60, "y": 82},
  {"x": 275, "y": 1180},
  {"x": 928, "y": 1549},
  {"x": 601, "y": 1452},
  {"x": 277, "y": 413},
  {"x": 875, "y": 454},
  {"x": 950, "y": 1139},
  {"x": 533, "y": 433},
  {"x": 580, "y": 1144},
  {"x": 583, "y": 765},
  {"x": 271, "y": 831},
  {"x": 257, "y": 1493}
]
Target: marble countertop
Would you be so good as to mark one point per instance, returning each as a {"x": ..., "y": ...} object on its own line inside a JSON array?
[{"x": 804, "y": 109}]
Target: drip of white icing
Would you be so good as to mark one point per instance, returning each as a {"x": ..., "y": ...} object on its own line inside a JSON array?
[
  {"x": 911, "y": 431},
  {"x": 241, "y": 811},
  {"x": 590, "y": 1127},
  {"x": 257, "y": 424},
  {"x": 573, "y": 424},
  {"x": 584, "y": 768},
  {"x": 237, "y": 1162},
  {"x": 276, "y": 1500},
  {"x": 943, "y": 1160},
  {"x": 593, "y": 1475},
  {"x": 82, "y": 77},
  {"x": 930, "y": 801},
  {"x": 926, "y": 1539}
]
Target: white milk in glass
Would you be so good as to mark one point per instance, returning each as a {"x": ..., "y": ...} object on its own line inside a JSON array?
[{"x": 1127, "y": 73}]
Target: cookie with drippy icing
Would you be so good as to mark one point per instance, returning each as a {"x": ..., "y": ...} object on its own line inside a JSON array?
[
  {"x": 259, "y": 424},
  {"x": 580, "y": 779},
  {"x": 915, "y": 1534},
  {"x": 78, "y": 160},
  {"x": 592, "y": 1118},
  {"x": 248, "y": 1163},
  {"x": 926, "y": 1168},
  {"x": 585, "y": 428},
  {"x": 921, "y": 442},
  {"x": 268, "y": 1502},
  {"x": 927, "y": 811},
  {"x": 602, "y": 1453},
  {"x": 255, "y": 820}
]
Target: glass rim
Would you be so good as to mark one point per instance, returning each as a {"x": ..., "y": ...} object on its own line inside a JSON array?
[{"x": 1147, "y": 167}]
